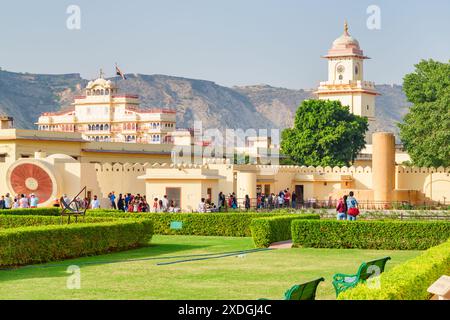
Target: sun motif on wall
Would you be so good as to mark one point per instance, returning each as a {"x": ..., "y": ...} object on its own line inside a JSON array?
[{"x": 30, "y": 178}]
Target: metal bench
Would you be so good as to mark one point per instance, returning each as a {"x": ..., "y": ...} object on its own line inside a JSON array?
[
  {"x": 305, "y": 291},
  {"x": 342, "y": 282}
]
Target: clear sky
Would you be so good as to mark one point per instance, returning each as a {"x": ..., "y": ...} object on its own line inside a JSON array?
[{"x": 231, "y": 42}]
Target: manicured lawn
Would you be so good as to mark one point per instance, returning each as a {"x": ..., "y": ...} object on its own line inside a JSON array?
[{"x": 264, "y": 274}]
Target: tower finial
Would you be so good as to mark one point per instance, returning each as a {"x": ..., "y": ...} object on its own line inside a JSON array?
[
  {"x": 346, "y": 28},
  {"x": 101, "y": 73}
]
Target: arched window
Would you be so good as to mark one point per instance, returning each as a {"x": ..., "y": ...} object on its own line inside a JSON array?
[
  {"x": 97, "y": 127},
  {"x": 107, "y": 91},
  {"x": 341, "y": 77},
  {"x": 97, "y": 138},
  {"x": 101, "y": 127},
  {"x": 106, "y": 127}
]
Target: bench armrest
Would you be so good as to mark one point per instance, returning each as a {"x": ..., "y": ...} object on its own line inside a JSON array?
[{"x": 348, "y": 278}]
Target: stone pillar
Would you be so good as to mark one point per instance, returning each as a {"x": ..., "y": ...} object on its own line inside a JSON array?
[
  {"x": 246, "y": 184},
  {"x": 383, "y": 166}
]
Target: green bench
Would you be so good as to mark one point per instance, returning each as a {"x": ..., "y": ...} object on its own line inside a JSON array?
[
  {"x": 342, "y": 282},
  {"x": 305, "y": 291}
]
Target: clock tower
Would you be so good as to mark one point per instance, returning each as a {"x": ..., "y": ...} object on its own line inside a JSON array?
[{"x": 346, "y": 79}]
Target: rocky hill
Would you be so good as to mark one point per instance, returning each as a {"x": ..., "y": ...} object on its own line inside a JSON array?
[{"x": 26, "y": 96}]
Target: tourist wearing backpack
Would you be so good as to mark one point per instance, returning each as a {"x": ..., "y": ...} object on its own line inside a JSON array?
[{"x": 352, "y": 207}]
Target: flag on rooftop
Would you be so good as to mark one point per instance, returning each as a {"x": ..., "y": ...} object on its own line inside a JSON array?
[{"x": 120, "y": 73}]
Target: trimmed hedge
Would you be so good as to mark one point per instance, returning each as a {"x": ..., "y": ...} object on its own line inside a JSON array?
[
  {"x": 28, "y": 245},
  {"x": 408, "y": 281},
  {"x": 273, "y": 229},
  {"x": 11, "y": 221},
  {"x": 389, "y": 235},
  {"x": 33, "y": 212},
  {"x": 199, "y": 224}
]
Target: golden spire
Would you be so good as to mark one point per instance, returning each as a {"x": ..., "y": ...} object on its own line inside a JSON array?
[
  {"x": 346, "y": 28},
  {"x": 101, "y": 73}
]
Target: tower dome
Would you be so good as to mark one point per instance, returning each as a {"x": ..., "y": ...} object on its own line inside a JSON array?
[
  {"x": 345, "y": 40},
  {"x": 345, "y": 45}
]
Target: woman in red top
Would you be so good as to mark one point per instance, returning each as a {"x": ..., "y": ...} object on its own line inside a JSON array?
[{"x": 342, "y": 209}]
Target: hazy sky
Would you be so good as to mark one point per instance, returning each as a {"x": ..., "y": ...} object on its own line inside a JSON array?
[{"x": 231, "y": 42}]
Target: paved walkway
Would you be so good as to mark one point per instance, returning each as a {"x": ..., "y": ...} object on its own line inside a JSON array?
[{"x": 281, "y": 245}]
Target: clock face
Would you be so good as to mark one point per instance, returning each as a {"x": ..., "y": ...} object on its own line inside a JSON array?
[{"x": 340, "y": 69}]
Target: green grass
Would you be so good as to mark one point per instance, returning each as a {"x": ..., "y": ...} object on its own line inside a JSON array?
[{"x": 264, "y": 274}]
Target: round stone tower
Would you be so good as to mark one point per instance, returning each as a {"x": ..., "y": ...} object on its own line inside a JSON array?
[{"x": 383, "y": 166}]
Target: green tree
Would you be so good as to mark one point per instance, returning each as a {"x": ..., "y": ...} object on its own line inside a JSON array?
[
  {"x": 425, "y": 131},
  {"x": 428, "y": 83},
  {"x": 325, "y": 133}
]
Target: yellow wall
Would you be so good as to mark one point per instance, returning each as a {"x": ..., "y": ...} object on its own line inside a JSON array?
[{"x": 122, "y": 173}]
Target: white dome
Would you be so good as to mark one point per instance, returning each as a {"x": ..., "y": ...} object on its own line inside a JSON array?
[{"x": 345, "y": 40}]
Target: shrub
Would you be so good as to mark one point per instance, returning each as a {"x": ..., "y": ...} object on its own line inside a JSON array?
[
  {"x": 200, "y": 224},
  {"x": 12, "y": 221},
  {"x": 408, "y": 281},
  {"x": 27, "y": 245},
  {"x": 389, "y": 235},
  {"x": 33, "y": 212},
  {"x": 272, "y": 229}
]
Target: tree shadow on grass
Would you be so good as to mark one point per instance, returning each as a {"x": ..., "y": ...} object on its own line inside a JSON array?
[{"x": 151, "y": 252}]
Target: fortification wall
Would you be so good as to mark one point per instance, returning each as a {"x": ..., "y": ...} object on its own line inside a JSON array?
[{"x": 432, "y": 183}]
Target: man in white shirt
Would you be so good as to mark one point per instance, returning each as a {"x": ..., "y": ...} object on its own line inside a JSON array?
[
  {"x": 24, "y": 202},
  {"x": 202, "y": 206},
  {"x": 165, "y": 204},
  {"x": 95, "y": 203},
  {"x": 8, "y": 201}
]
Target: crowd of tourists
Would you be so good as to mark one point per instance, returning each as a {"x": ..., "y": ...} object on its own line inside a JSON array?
[
  {"x": 18, "y": 201},
  {"x": 128, "y": 202},
  {"x": 284, "y": 199},
  {"x": 347, "y": 207}
]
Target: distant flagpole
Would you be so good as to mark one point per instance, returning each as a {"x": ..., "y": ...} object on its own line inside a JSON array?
[
  {"x": 120, "y": 73},
  {"x": 115, "y": 78}
]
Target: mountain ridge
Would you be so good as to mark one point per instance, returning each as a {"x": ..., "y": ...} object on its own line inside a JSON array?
[{"x": 25, "y": 96}]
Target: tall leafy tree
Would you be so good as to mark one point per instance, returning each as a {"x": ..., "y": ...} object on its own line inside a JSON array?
[
  {"x": 425, "y": 131},
  {"x": 325, "y": 133}
]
